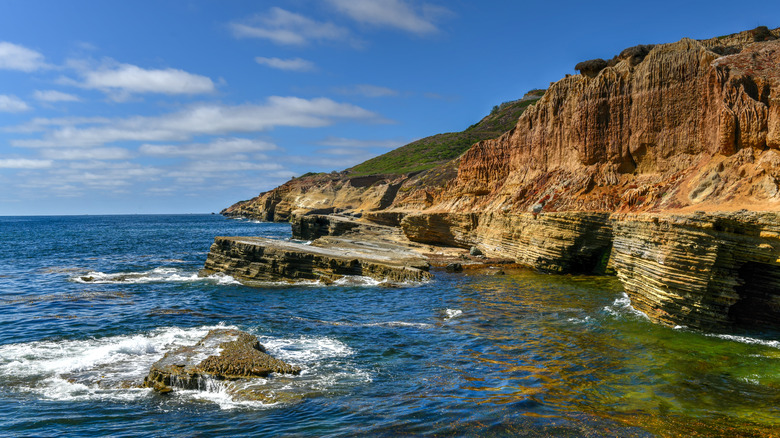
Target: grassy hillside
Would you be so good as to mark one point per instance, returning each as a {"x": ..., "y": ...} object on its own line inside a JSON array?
[{"x": 430, "y": 151}]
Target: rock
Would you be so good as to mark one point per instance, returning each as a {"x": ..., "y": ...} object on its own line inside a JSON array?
[
  {"x": 475, "y": 251},
  {"x": 661, "y": 131},
  {"x": 454, "y": 267},
  {"x": 257, "y": 259},
  {"x": 705, "y": 271},
  {"x": 223, "y": 354},
  {"x": 554, "y": 242}
]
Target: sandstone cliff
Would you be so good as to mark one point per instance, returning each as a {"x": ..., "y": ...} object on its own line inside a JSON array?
[{"x": 653, "y": 164}]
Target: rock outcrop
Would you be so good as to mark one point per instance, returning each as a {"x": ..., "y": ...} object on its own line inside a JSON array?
[
  {"x": 708, "y": 271},
  {"x": 254, "y": 260},
  {"x": 643, "y": 165},
  {"x": 222, "y": 355}
]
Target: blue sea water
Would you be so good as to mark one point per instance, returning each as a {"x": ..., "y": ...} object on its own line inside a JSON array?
[{"x": 88, "y": 303}]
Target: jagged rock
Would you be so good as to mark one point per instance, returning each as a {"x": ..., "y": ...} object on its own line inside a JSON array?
[
  {"x": 223, "y": 354},
  {"x": 258, "y": 259},
  {"x": 474, "y": 251},
  {"x": 454, "y": 267}
]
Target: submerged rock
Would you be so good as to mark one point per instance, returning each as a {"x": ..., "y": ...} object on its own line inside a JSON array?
[{"x": 223, "y": 354}]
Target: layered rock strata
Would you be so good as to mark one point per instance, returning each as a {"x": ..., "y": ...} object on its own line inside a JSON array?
[
  {"x": 708, "y": 271},
  {"x": 223, "y": 354},
  {"x": 712, "y": 271},
  {"x": 613, "y": 165},
  {"x": 259, "y": 260}
]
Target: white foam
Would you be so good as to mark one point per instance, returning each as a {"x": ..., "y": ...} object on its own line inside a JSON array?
[
  {"x": 357, "y": 280},
  {"x": 305, "y": 350},
  {"x": 112, "y": 368},
  {"x": 747, "y": 340},
  {"x": 622, "y": 306},
  {"x": 580, "y": 320},
  {"x": 91, "y": 368},
  {"x": 156, "y": 275},
  {"x": 452, "y": 313}
]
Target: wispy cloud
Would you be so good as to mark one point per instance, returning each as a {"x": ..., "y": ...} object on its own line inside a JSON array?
[
  {"x": 292, "y": 64},
  {"x": 368, "y": 90},
  {"x": 54, "y": 96},
  {"x": 217, "y": 148},
  {"x": 24, "y": 163},
  {"x": 204, "y": 119},
  {"x": 86, "y": 154},
  {"x": 392, "y": 13},
  {"x": 16, "y": 57},
  {"x": 12, "y": 104},
  {"x": 125, "y": 79},
  {"x": 341, "y": 142},
  {"x": 288, "y": 28}
]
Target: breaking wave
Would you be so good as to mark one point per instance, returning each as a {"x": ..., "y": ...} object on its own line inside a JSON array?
[
  {"x": 113, "y": 368},
  {"x": 156, "y": 275},
  {"x": 622, "y": 306}
]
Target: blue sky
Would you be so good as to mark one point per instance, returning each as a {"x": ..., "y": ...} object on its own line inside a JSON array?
[{"x": 167, "y": 106}]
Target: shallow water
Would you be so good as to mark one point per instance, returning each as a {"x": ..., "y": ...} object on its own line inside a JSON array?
[{"x": 88, "y": 303}]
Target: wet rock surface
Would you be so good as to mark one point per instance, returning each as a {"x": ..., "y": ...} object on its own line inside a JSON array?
[
  {"x": 257, "y": 259},
  {"x": 223, "y": 354}
]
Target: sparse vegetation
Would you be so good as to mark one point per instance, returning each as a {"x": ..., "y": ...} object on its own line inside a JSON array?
[
  {"x": 428, "y": 152},
  {"x": 762, "y": 33},
  {"x": 591, "y": 67},
  {"x": 636, "y": 54}
]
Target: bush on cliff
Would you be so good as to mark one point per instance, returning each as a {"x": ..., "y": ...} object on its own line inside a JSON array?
[
  {"x": 591, "y": 67},
  {"x": 762, "y": 33}
]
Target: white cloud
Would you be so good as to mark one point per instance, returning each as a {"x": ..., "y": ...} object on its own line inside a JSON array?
[
  {"x": 86, "y": 154},
  {"x": 210, "y": 166},
  {"x": 342, "y": 151},
  {"x": 41, "y": 124},
  {"x": 293, "y": 64},
  {"x": 12, "y": 104},
  {"x": 54, "y": 96},
  {"x": 127, "y": 79},
  {"x": 218, "y": 148},
  {"x": 15, "y": 57},
  {"x": 391, "y": 13},
  {"x": 24, "y": 163},
  {"x": 288, "y": 28},
  {"x": 368, "y": 90},
  {"x": 205, "y": 119},
  {"x": 341, "y": 142}
]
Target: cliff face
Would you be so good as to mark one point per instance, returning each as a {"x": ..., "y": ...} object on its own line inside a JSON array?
[
  {"x": 324, "y": 193},
  {"x": 654, "y": 167},
  {"x": 692, "y": 125},
  {"x": 683, "y": 129}
]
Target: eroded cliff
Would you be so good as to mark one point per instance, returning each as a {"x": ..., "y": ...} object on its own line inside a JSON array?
[{"x": 656, "y": 165}]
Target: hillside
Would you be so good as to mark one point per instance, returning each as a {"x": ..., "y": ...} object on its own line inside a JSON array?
[{"x": 430, "y": 151}]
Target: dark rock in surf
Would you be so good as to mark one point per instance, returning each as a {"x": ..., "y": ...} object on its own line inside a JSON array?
[{"x": 223, "y": 354}]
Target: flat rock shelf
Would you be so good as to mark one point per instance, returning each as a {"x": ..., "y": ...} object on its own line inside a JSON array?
[{"x": 254, "y": 260}]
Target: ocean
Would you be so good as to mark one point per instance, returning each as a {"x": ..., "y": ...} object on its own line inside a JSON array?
[{"x": 89, "y": 303}]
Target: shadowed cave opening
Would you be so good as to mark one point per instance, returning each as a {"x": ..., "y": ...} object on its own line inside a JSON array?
[
  {"x": 759, "y": 292},
  {"x": 591, "y": 262}
]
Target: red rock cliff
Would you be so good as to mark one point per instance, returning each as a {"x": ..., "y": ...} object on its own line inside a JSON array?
[{"x": 682, "y": 129}]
